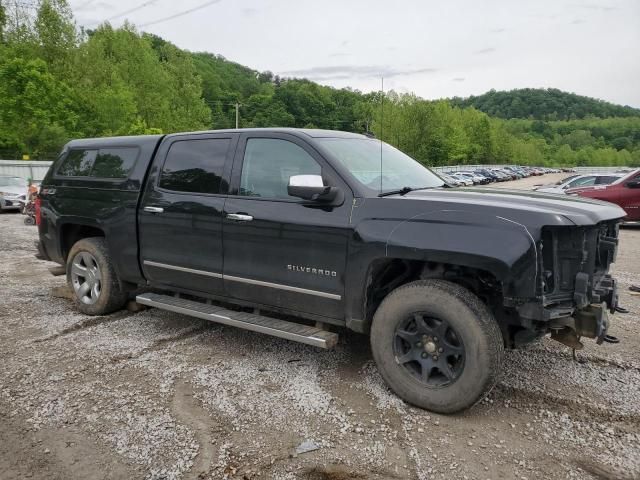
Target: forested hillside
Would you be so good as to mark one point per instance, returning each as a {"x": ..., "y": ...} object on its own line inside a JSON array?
[
  {"x": 543, "y": 104},
  {"x": 59, "y": 82}
]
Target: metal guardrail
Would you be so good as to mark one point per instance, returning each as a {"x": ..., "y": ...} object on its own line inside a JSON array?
[{"x": 27, "y": 169}]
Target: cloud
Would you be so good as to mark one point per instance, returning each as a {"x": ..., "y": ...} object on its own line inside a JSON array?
[
  {"x": 577, "y": 21},
  {"x": 249, "y": 12},
  {"x": 342, "y": 72},
  {"x": 340, "y": 54},
  {"x": 484, "y": 51},
  {"x": 458, "y": 79},
  {"x": 498, "y": 30}
]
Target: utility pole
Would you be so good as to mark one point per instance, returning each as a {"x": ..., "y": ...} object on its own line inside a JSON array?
[{"x": 237, "y": 115}]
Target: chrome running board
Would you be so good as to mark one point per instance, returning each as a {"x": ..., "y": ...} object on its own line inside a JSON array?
[{"x": 249, "y": 321}]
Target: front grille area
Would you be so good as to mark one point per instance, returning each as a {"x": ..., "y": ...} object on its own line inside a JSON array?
[{"x": 569, "y": 251}]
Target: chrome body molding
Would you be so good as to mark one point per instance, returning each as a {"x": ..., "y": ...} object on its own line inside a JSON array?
[
  {"x": 317, "y": 293},
  {"x": 182, "y": 269},
  {"x": 250, "y": 281}
]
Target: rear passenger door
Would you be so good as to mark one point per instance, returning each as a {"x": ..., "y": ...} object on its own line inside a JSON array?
[{"x": 180, "y": 216}]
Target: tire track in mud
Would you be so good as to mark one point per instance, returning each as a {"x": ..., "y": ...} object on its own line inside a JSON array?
[
  {"x": 84, "y": 324},
  {"x": 578, "y": 410},
  {"x": 162, "y": 342},
  {"x": 187, "y": 410},
  {"x": 606, "y": 472}
]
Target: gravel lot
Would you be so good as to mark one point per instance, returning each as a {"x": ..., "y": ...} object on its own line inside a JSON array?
[{"x": 159, "y": 395}]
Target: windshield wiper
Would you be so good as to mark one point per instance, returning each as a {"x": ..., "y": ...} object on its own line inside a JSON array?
[{"x": 402, "y": 191}]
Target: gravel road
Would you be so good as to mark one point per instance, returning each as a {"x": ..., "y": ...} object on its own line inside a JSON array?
[{"x": 163, "y": 396}]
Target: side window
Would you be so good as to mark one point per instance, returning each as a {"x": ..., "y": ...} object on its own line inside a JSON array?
[
  {"x": 114, "y": 162},
  {"x": 268, "y": 164},
  {"x": 77, "y": 163},
  {"x": 606, "y": 180},
  {"x": 195, "y": 166},
  {"x": 582, "y": 182}
]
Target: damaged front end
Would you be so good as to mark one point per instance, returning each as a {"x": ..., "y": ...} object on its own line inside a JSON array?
[{"x": 575, "y": 289}]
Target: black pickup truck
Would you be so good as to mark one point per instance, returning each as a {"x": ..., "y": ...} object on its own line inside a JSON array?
[{"x": 296, "y": 232}]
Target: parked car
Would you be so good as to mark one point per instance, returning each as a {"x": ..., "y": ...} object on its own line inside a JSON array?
[
  {"x": 13, "y": 192},
  {"x": 624, "y": 191},
  {"x": 575, "y": 181},
  {"x": 287, "y": 232},
  {"x": 485, "y": 172},
  {"x": 451, "y": 180},
  {"x": 477, "y": 179},
  {"x": 503, "y": 175},
  {"x": 464, "y": 179},
  {"x": 518, "y": 174}
]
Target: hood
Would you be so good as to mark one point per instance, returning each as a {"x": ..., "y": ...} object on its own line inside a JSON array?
[
  {"x": 519, "y": 204},
  {"x": 14, "y": 190}
]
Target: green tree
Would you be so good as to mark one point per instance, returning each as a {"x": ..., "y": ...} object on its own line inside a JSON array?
[
  {"x": 56, "y": 33},
  {"x": 36, "y": 110}
]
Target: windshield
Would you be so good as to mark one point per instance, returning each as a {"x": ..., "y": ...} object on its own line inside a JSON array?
[
  {"x": 361, "y": 156},
  {"x": 12, "y": 182}
]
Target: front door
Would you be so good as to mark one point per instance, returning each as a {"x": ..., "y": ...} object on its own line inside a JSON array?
[
  {"x": 630, "y": 199},
  {"x": 180, "y": 216},
  {"x": 280, "y": 250}
]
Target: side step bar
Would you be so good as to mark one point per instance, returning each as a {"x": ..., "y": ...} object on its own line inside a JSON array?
[{"x": 249, "y": 321}]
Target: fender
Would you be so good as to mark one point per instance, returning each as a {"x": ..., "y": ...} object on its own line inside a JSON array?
[{"x": 501, "y": 246}]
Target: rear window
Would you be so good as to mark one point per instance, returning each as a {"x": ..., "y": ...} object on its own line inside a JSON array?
[
  {"x": 115, "y": 162},
  {"x": 77, "y": 163}
]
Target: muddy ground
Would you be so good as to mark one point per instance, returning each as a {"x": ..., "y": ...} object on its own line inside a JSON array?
[{"x": 158, "y": 395}]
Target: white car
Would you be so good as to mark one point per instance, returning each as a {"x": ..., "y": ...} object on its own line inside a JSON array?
[
  {"x": 13, "y": 190},
  {"x": 464, "y": 179},
  {"x": 579, "y": 181}
]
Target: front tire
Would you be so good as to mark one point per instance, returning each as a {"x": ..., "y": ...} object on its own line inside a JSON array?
[
  {"x": 92, "y": 278},
  {"x": 437, "y": 345}
]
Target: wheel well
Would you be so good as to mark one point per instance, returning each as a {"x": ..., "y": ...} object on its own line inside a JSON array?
[
  {"x": 71, "y": 233},
  {"x": 388, "y": 274}
]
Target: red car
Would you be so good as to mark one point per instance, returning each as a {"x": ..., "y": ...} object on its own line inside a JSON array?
[{"x": 624, "y": 192}]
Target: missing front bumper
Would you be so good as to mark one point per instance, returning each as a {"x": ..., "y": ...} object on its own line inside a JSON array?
[{"x": 590, "y": 322}]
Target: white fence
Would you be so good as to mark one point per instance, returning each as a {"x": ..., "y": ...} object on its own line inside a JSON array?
[
  {"x": 582, "y": 170},
  {"x": 27, "y": 169}
]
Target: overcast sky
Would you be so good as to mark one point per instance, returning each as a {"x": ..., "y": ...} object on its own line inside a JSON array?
[{"x": 434, "y": 49}]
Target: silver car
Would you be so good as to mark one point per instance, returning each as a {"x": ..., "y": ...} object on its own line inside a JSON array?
[
  {"x": 575, "y": 181},
  {"x": 13, "y": 191}
]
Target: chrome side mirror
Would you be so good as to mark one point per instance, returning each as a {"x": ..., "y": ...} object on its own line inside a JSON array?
[{"x": 311, "y": 187}]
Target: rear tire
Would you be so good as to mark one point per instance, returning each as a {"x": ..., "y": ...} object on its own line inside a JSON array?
[
  {"x": 437, "y": 345},
  {"x": 92, "y": 278}
]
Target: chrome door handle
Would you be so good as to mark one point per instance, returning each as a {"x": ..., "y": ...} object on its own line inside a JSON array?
[
  {"x": 154, "y": 209},
  {"x": 240, "y": 217}
]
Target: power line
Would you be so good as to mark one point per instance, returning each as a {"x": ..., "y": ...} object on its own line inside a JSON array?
[
  {"x": 179, "y": 14},
  {"x": 85, "y": 4},
  {"x": 131, "y": 10}
]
